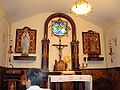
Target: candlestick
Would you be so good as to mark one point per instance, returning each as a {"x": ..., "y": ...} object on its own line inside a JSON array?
[{"x": 84, "y": 64}]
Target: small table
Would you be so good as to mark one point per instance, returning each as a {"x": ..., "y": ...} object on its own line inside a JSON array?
[{"x": 70, "y": 78}]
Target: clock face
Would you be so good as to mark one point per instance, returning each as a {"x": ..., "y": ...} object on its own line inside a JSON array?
[{"x": 59, "y": 27}]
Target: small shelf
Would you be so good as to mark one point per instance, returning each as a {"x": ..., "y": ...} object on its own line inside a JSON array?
[
  {"x": 24, "y": 57},
  {"x": 94, "y": 58}
]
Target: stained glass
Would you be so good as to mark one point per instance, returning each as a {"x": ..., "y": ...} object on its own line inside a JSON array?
[{"x": 59, "y": 27}]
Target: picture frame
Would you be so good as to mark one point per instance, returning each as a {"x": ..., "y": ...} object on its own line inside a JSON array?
[
  {"x": 32, "y": 44},
  {"x": 91, "y": 43}
]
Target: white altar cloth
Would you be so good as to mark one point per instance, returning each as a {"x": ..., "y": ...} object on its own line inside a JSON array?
[{"x": 69, "y": 78}]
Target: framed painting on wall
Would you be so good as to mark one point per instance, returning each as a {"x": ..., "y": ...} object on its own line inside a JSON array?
[{"x": 91, "y": 45}]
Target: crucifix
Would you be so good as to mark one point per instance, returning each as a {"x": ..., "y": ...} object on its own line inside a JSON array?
[
  {"x": 59, "y": 29},
  {"x": 60, "y": 47}
]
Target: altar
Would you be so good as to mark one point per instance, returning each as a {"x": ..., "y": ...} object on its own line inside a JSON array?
[{"x": 71, "y": 78}]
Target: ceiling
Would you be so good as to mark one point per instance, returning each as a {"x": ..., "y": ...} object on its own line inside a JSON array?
[{"x": 104, "y": 11}]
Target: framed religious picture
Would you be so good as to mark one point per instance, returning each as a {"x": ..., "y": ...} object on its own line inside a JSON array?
[
  {"x": 25, "y": 41},
  {"x": 91, "y": 43}
]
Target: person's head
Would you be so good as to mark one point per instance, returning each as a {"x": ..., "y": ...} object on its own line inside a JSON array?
[{"x": 35, "y": 77}]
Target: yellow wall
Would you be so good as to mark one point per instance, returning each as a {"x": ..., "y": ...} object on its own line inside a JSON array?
[
  {"x": 37, "y": 22},
  {"x": 1, "y": 11}
]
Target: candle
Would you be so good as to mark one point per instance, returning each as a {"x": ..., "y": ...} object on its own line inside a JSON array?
[
  {"x": 83, "y": 58},
  {"x": 86, "y": 58}
]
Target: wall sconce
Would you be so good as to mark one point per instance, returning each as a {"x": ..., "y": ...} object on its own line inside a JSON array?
[
  {"x": 10, "y": 51},
  {"x": 114, "y": 40}
]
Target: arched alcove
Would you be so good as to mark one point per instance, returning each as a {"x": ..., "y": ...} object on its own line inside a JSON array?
[{"x": 74, "y": 43}]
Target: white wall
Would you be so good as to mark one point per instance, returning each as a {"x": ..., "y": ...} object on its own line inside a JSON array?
[
  {"x": 113, "y": 32},
  {"x": 37, "y": 22},
  {"x": 4, "y": 27}
]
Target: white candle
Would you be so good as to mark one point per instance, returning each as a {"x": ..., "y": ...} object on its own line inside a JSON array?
[
  {"x": 86, "y": 58},
  {"x": 83, "y": 58}
]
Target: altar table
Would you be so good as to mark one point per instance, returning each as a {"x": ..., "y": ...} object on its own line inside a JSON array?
[{"x": 71, "y": 78}]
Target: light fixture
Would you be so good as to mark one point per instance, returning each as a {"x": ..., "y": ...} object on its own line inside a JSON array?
[{"x": 81, "y": 7}]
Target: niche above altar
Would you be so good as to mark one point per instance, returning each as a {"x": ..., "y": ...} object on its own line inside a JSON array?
[
  {"x": 60, "y": 36},
  {"x": 25, "y": 44}
]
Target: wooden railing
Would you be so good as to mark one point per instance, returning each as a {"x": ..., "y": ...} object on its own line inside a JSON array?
[{"x": 16, "y": 77}]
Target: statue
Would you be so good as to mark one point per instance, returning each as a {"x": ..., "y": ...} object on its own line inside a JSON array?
[
  {"x": 25, "y": 42},
  {"x": 67, "y": 61},
  {"x": 60, "y": 65}
]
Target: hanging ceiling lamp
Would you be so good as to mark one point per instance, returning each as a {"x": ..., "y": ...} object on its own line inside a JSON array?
[{"x": 81, "y": 7}]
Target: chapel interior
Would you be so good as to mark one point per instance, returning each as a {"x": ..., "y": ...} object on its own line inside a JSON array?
[{"x": 81, "y": 48}]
